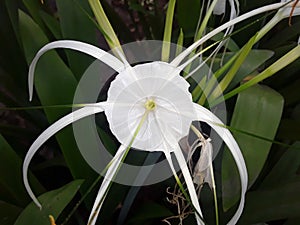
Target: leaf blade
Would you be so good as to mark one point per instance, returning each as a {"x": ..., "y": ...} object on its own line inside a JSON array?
[
  {"x": 258, "y": 110},
  {"x": 53, "y": 203}
]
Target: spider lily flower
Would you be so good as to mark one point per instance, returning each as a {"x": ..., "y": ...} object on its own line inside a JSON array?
[{"x": 148, "y": 108}]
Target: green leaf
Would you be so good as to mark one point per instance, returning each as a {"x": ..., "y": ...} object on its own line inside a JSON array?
[
  {"x": 284, "y": 61},
  {"x": 103, "y": 21},
  {"x": 12, "y": 7},
  {"x": 34, "y": 8},
  {"x": 12, "y": 189},
  {"x": 52, "y": 24},
  {"x": 165, "y": 53},
  {"x": 291, "y": 93},
  {"x": 179, "y": 43},
  {"x": 150, "y": 211},
  {"x": 55, "y": 84},
  {"x": 53, "y": 203},
  {"x": 188, "y": 15},
  {"x": 10, "y": 44},
  {"x": 243, "y": 53},
  {"x": 285, "y": 170},
  {"x": 116, "y": 19},
  {"x": 8, "y": 213},
  {"x": 77, "y": 25},
  {"x": 284, "y": 36},
  {"x": 133, "y": 191},
  {"x": 289, "y": 129},
  {"x": 230, "y": 45},
  {"x": 204, "y": 22},
  {"x": 254, "y": 60},
  {"x": 258, "y": 110},
  {"x": 281, "y": 202}
]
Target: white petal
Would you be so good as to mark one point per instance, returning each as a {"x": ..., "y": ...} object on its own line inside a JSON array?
[
  {"x": 98, "y": 53},
  {"x": 49, "y": 132},
  {"x": 217, "y": 30},
  {"x": 111, "y": 172},
  {"x": 169, "y": 143},
  {"x": 191, "y": 189},
  {"x": 189, "y": 182},
  {"x": 205, "y": 115},
  {"x": 286, "y": 11}
]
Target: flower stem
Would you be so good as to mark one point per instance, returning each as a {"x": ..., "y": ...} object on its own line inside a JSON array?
[{"x": 214, "y": 192}]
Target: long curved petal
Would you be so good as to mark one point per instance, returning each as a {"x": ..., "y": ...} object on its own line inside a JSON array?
[
  {"x": 230, "y": 23},
  {"x": 189, "y": 182},
  {"x": 203, "y": 114},
  {"x": 49, "y": 132},
  {"x": 170, "y": 142},
  {"x": 91, "y": 50},
  {"x": 111, "y": 172}
]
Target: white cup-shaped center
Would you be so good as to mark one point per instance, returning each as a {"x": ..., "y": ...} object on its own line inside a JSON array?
[{"x": 157, "y": 91}]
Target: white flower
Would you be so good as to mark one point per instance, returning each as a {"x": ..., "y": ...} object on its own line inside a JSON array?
[{"x": 149, "y": 108}]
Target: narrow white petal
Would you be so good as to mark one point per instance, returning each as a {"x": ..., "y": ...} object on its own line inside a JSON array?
[
  {"x": 230, "y": 23},
  {"x": 189, "y": 182},
  {"x": 208, "y": 117},
  {"x": 171, "y": 142},
  {"x": 286, "y": 11},
  {"x": 111, "y": 172},
  {"x": 91, "y": 50},
  {"x": 49, "y": 132},
  {"x": 234, "y": 11}
]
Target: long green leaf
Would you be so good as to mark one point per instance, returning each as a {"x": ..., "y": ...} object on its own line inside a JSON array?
[
  {"x": 53, "y": 203},
  {"x": 254, "y": 60},
  {"x": 106, "y": 28},
  {"x": 12, "y": 189},
  {"x": 284, "y": 61},
  {"x": 52, "y": 24},
  {"x": 12, "y": 7},
  {"x": 187, "y": 15},
  {"x": 34, "y": 8},
  {"x": 285, "y": 170},
  {"x": 148, "y": 212},
  {"x": 133, "y": 191},
  {"x": 244, "y": 52},
  {"x": 280, "y": 202},
  {"x": 205, "y": 20},
  {"x": 76, "y": 25},
  {"x": 8, "y": 213},
  {"x": 165, "y": 53},
  {"x": 179, "y": 42},
  {"x": 258, "y": 110}
]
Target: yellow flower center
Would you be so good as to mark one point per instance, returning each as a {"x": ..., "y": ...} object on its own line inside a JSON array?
[{"x": 150, "y": 104}]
